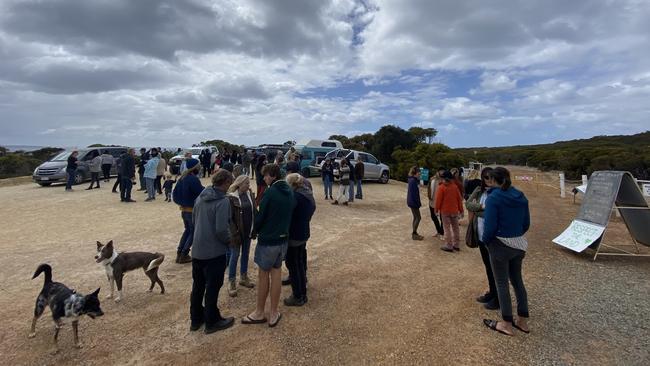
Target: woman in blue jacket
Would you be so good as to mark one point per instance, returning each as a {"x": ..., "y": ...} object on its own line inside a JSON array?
[
  {"x": 413, "y": 200},
  {"x": 507, "y": 219}
]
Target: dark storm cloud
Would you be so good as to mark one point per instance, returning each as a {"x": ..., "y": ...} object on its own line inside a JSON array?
[{"x": 161, "y": 28}]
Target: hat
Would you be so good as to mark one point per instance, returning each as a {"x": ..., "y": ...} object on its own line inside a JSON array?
[
  {"x": 447, "y": 175},
  {"x": 191, "y": 164}
]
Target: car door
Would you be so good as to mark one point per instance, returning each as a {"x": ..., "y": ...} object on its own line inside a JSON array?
[{"x": 373, "y": 167}]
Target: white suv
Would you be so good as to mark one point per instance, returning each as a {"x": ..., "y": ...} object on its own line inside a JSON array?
[
  {"x": 373, "y": 168},
  {"x": 175, "y": 162}
]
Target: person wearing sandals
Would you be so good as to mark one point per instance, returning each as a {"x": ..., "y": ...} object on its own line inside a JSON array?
[
  {"x": 507, "y": 219},
  {"x": 449, "y": 203},
  {"x": 240, "y": 192},
  {"x": 475, "y": 206},
  {"x": 272, "y": 227},
  {"x": 413, "y": 200}
]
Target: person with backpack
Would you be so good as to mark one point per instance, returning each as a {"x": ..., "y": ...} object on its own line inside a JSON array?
[{"x": 188, "y": 188}]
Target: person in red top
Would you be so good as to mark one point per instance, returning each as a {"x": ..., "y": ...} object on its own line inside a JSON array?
[{"x": 449, "y": 203}]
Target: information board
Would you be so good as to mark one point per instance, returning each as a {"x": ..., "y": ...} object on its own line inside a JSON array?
[
  {"x": 646, "y": 190},
  {"x": 599, "y": 199},
  {"x": 579, "y": 235}
]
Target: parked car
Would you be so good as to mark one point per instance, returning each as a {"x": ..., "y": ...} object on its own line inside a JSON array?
[
  {"x": 175, "y": 162},
  {"x": 312, "y": 153},
  {"x": 374, "y": 169},
  {"x": 53, "y": 170}
]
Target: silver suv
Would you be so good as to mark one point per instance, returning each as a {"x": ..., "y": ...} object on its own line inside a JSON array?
[
  {"x": 53, "y": 170},
  {"x": 373, "y": 168}
]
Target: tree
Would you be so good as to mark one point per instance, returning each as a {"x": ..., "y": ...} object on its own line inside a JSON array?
[
  {"x": 430, "y": 156},
  {"x": 388, "y": 138},
  {"x": 222, "y": 145},
  {"x": 423, "y": 135}
]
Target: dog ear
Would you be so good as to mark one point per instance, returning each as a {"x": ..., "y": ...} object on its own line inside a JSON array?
[
  {"x": 109, "y": 244},
  {"x": 96, "y": 292},
  {"x": 99, "y": 245}
]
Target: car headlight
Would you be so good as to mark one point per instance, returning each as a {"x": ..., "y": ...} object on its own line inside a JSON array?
[
  {"x": 35, "y": 171},
  {"x": 62, "y": 168}
]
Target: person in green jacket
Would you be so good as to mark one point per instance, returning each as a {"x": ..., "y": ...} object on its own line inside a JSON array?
[{"x": 272, "y": 230}]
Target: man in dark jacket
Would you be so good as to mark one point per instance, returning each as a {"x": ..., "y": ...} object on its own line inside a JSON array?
[
  {"x": 187, "y": 189},
  {"x": 352, "y": 183},
  {"x": 298, "y": 235},
  {"x": 272, "y": 228},
  {"x": 144, "y": 158},
  {"x": 359, "y": 171},
  {"x": 127, "y": 173},
  {"x": 211, "y": 217}
]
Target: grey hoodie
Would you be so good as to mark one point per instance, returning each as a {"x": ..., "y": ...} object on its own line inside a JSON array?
[{"x": 211, "y": 217}]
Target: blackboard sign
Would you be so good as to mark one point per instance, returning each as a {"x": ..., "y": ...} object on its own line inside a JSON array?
[{"x": 601, "y": 194}]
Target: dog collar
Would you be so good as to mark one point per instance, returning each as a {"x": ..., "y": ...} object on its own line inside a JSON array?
[{"x": 110, "y": 261}]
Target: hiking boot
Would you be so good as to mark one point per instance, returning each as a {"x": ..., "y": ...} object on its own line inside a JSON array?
[
  {"x": 178, "y": 257},
  {"x": 245, "y": 281},
  {"x": 416, "y": 236},
  {"x": 292, "y": 301},
  {"x": 335, "y": 202},
  {"x": 492, "y": 304},
  {"x": 446, "y": 248},
  {"x": 232, "y": 289},
  {"x": 220, "y": 325},
  {"x": 185, "y": 258},
  {"x": 149, "y": 199}
]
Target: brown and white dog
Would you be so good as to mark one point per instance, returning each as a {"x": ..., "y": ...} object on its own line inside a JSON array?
[{"x": 117, "y": 264}]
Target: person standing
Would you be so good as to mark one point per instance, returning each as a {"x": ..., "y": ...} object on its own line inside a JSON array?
[
  {"x": 294, "y": 167},
  {"x": 449, "y": 203},
  {"x": 188, "y": 187},
  {"x": 344, "y": 183},
  {"x": 244, "y": 202},
  {"x": 259, "y": 178},
  {"x": 413, "y": 200},
  {"x": 475, "y": 210},
  {"x": 71, "y": 170},
  {"x": 359, "y": 173},
  {"x": 161, "y": 169},
  {"x": 299, "y": 233},
  {"x": 144, "y": 157},
  {"x": 471, "y": 183},
  {"x": 458, "y": 181},
  {"x": 205, "y": 161},
  {"x": 327, "y": 172},
  {"x": 168, "y": 186},
  {"x": 353, "y": 182},
  {"x": 211, "y": 215},
  {"x": 432, "y": 189},
  {"x": 107, "y": 164},
  {"x": 187, "y": 156},
  {"x": 272, "y": 228},
  {"x": 246, "y": 161},
  {"x": 507, "y": 219},
  {"x": 150, "y": 173},
  {"x": 127, "y": 171},
  {"x": 118, "y": 170},
  {"x": 95, "y": 169}
]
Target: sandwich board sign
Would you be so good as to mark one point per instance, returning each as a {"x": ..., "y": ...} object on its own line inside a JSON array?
[{"x": 608, "y": 190}]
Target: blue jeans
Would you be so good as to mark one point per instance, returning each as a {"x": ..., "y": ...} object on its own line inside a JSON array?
[
  {"x": 71, "y": 173},
  {"x": 188, "y": 235},
  {"x": 359, "y": 190},
  {"x": 327, "y": 183},
  {"x": 151, "y": 187},
  {"x": 245, "y": 249},
  {"x": 351, "y": 192}
]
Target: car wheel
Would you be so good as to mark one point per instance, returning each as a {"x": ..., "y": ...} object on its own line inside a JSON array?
[
  {"x": 306, "y": 172},
  {"x": 78, "y": 178},
  {"x": 384, "y": 177},
  {"x": 44, "y": 184}
]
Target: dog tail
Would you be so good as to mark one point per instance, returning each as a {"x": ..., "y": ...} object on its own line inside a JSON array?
[
  {"x": 156, "y": 262},
  {"x": 44, "y": 268}
]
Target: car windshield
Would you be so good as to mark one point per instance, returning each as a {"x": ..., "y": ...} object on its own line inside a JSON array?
[
  {"x": 65, "y": 155},
  {"x": 196, "y": 151}
]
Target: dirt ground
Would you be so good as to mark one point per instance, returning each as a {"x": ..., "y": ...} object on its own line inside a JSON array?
[{"x": 375, "y": 296}]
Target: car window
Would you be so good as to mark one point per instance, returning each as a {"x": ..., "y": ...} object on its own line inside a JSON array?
[
  {"x": 331, "y": 154},
  {"x": 62, "y": 156},
  {"x": 89, "y": 155},
  {"x": 372, "y": 159},
  {"x": 342, "y": 153},
  {"x": 117, "y": 152},
  {"x": 363, "y": 157},
  {"x": 328, "y": 144}
]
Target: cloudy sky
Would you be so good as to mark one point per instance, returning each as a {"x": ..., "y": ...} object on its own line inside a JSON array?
[{"x": 173, "y": 73}]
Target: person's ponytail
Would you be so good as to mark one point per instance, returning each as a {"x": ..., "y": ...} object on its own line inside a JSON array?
[{"x": 501, "y": 176}]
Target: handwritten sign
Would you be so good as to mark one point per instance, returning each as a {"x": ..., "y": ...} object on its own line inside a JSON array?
[
  {"x": 599, "y": 199},
  {"x": 579, "y": 235}
]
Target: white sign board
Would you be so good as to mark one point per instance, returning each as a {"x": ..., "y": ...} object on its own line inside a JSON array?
[
  {"x": 646, "y": 189},
  {"x": 579, "y": 235}
]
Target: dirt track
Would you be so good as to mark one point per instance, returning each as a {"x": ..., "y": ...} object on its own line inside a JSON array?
[{"x": 375, "y": 296}]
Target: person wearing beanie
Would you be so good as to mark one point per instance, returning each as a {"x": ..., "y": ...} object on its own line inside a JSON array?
[{"x": 188, "y": 188}]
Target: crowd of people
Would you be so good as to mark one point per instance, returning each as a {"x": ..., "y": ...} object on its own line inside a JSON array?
[{"x": 498, "y": 219}]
